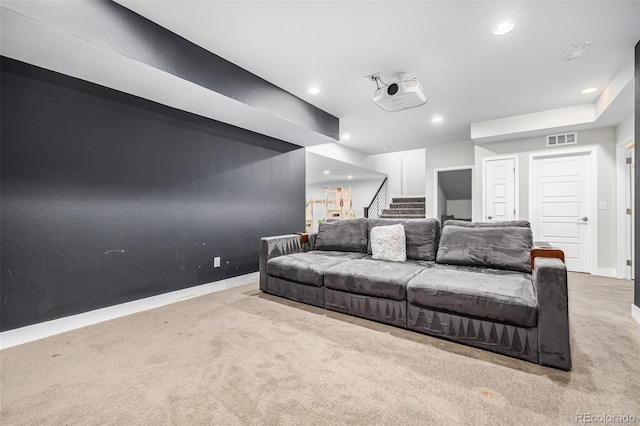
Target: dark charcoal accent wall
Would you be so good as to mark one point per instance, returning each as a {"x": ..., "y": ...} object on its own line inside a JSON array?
[
  {"x": 108, "y": 198},
  {"x": 636, "y": 261},
  {"x": 134, "y": 36}
]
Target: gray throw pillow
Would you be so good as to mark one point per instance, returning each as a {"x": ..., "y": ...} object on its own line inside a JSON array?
[
  {"x": 343, "y": 235},
  {"x": 503, "y": 247}
]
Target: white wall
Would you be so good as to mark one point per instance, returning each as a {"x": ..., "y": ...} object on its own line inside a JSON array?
[
  {"x": 405, "y": 171},
  {"x": 391, "y": 165},
  {"x": 362, "y": 192},
  {"x": 413, "y": 172},
  {"x": 460, "y": 209},
  {"x": 603, "y": 142},
  {"x": 625, "y": 130},
  {"x": 453, "y": 154}
]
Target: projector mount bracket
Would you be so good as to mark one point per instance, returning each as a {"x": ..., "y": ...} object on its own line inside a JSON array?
[{"x": 377, "y": 78}]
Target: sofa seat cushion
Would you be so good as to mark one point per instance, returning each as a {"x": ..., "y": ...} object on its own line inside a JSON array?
[
  {"x": 371, "y": 277},
  {"x": 506, "y": 298},
  {"x": 477, "y": 269},
  {"x": 335, "y": 253},
  {"x": 423, "y": 263},
  {"x": 305, "y": 268}
]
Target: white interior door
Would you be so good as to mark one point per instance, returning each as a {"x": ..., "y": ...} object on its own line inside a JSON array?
[
  {"x": 560, "y": 208},
  {"x": 500, "y": 189}
]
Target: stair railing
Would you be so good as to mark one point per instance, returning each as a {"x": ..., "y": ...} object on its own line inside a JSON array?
[{"x": 379, "y": 202}]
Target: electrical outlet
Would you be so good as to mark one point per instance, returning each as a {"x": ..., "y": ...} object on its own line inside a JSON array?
[{"x": 216, "y": 262}]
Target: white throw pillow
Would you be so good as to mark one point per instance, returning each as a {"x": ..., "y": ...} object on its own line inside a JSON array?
[{"x": 389, "y": 243}]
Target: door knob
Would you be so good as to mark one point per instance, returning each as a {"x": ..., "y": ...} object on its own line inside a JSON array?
[
  {"x": 489, "y": 217},
  {"x": 584, "y": 219}
]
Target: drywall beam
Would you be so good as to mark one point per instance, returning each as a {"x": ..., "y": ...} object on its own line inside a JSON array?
[
  {"x": 568, "y": 116},
  {"x": 106, "y": 29}
]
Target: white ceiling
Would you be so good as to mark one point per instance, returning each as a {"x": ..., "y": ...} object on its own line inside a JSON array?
[{"x": 469, "y": 74}]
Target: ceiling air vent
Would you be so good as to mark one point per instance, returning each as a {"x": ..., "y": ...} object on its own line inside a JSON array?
[
  {"x": 577, "y": 50},
  {"x": 562, "y": 139}
]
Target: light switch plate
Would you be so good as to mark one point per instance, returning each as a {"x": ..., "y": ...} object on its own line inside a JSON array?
[{"x": 602, "y": 205}]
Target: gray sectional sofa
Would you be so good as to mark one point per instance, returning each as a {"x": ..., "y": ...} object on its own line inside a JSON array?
[{"x": 471, "y": 283}]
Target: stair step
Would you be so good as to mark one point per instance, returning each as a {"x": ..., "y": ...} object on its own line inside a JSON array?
[
  {"x": 408, "y": 200},
  {"x": 403, "y": 212},
  {"x": 408, "y": 216},
  {"x": 407, "y": 205}
]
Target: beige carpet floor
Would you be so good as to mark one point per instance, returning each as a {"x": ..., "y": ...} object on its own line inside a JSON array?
[{"x": 241, "y": 357}]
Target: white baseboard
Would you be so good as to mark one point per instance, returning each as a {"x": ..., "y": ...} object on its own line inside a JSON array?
[
  {"x": 607, "y": 272},
  {"x": 33, "y": 332},
  {"x": 635, "y": 313}
]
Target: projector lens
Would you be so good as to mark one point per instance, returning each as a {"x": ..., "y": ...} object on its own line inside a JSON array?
[{"x": 392, "y": 89}]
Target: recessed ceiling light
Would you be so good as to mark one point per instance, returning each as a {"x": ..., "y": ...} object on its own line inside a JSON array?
[
  {"x": 503, "y": 27},
  {"x": 326, "y": 172},
  {"x": 345, "y": 136},
  {"x": 313, "y": 90},
  {"x": 589, "y": 90},
  {"x": 437, "y": 119},
  {"x": 349, "y": 177}
]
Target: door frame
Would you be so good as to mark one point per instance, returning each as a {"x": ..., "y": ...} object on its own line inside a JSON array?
[
  {"x": 592, "y": 152},
  {"x": 516, "y": 188},
  {"x": 436, "y": 182},
  {"x": 623, "y": 232}
]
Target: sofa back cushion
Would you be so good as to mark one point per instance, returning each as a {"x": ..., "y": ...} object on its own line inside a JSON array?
[
  {"x": 422, "y": 236},
  {"x": 467, "y": 224},
  {"x": 343, "y": 235},
  {"x": 500, "y": 247}
]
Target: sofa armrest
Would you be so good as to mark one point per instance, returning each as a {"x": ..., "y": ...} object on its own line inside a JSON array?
[
  {"x": 271, "y": 247},
  {"x": 550, "y": 281},
  {"x": 545, "y": 251}
]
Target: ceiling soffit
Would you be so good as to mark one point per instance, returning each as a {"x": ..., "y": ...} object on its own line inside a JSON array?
[{"x": 143, "y": 44}]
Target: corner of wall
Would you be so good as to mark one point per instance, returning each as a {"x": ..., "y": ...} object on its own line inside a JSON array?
[
  {"x": 624, "y": 130},
  {"x": 635, "y": 313},
  {"x": 606, "y": 272}
]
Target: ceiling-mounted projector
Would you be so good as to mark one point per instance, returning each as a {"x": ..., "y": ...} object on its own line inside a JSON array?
[{"x": 402, "y": 94}]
